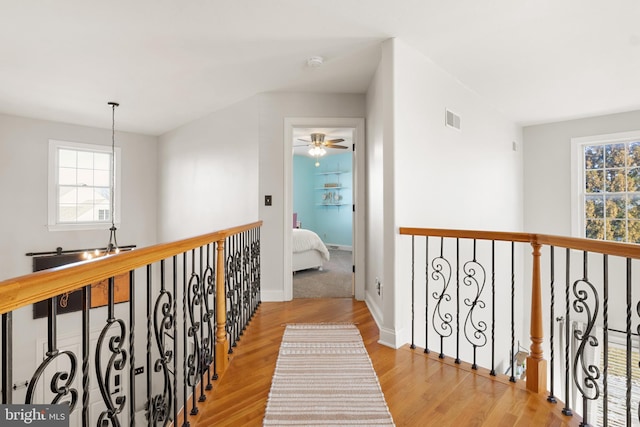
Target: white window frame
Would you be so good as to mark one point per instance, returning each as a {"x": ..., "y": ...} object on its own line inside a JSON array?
[
  {"x": 53, "y": 223},
  {"x": 577, "y": 172}
]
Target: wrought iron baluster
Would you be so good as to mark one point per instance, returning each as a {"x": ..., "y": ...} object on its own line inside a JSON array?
[
  {"x": 605, "y": 315},
  {"x": 413, "y": 291},
  {"x": 149, "y": 406},
  {"x": 442, "y": 271},
  {"x": 175, "y": 339},
  {"x": 629, "y": 348},
  {"x": 588, "y": 387},
  {"x": 567, "y": 409},
  {"x": 552, "y": 271},
  {"x": 132, "y": 363},
  {"x": 457, "y": 301},
  {"x": 7, "y": 357},
  {"x": 474, "y": 331},
  {"x": 208, "y": 293},
  {"x": 61, "y": 381},
  {"x": 117, "y": 362},
  {"x": 203, "y": 349},
  {"x": 86, "y": 306},
  {"x": 426, "y": 295},
  {"x": 493, "y": 308},
  {"x": 163, "y": 319},
  {"x": 185, "y": 344},
  {"x": 193, "y": 360},
  {"x": 512, "y": 378},
  {"x": 246, "y": 278}
]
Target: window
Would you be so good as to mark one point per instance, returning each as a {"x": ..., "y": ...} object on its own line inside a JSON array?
[
  {"x": 80, "y": 185},
  {"x": 608, "y": 187}
]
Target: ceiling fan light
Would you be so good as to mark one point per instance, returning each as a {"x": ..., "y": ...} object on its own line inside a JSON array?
[{"x": 316, "y": 151}]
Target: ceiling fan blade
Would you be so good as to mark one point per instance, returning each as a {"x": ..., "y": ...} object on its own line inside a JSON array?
[
  {"x": 304, "y": 139},
  {"x": 341, "y": 147},
  {"x": 333, "y": 141}
]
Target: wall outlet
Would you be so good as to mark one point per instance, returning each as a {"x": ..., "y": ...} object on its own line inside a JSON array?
[
  {"x": 378, "y": 287},
  {"x": 139, "y": 370}
]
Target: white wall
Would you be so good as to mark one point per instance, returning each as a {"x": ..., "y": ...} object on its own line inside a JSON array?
[
  {"x": 274, "y": 107},
  {"x": 445, "y": 178},
  {"x": 209, "y": 173},
  {"x": 379, "y": 175}
]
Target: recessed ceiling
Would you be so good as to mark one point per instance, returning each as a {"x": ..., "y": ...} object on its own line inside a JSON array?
[{"x": 169, "y": 63}]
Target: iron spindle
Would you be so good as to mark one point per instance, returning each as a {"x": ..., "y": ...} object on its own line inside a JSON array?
[
  {"x": 493, "y": 308},
  {"x": 629, "y": 348},
  {"x": 442, "y": 271},
  {"x": 185, "y": 344},
  {"x": 202, "y": 397},
  {"x": 7, "y": 357},
  {"x": 175, "y": 339},
  {"x": 132, "y": 359},
  {"x": 567, "y": 410},
  {"x": 457, "y": 301},
  {"x": 605, "y": 315},
  {"x": 551, "y": 398},
  {"x": 413, "y": 292},
  {"x": 150, "y": 414},
  {"x": 86, "y": 306},
  {"x": 426, "y": 295},
  {"x": 474, "y": 331},
  {"x": 194, "y": 359},
  {"x": 513, "y": 332}
]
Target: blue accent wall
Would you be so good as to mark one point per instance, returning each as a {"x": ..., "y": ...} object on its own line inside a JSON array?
[{"x": 325, "y": 210}]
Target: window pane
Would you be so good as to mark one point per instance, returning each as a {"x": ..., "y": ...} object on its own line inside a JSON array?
[
  {"x": 102, "y": 161},
  {"x": 633, "y": 154},
  {"x": 593, "y": 207},
  {"x": 85, "y": 195},
  {"x": 101, "y": 178},
  {"x": 85, "y": 160},
  {"x": 67, "y": 195},
  {"x": 67, "y": 176},
  {"x": 633, "y": 209},
  {"x": 85, "y": 212},
  {"x": 593, "y": 157},
  {"x": 67, "y": 158},
  {"x": 594, "y": 181},
  {"x": 616, "y": 206},
  {"x": 614, "y": 155},
  {"x": 634, "y": 232},
  {"x": 616, "y": 230},
  {"x": 615, "y": 181},
  {"x": 67, "y": 213},
  {"x": 594, "y": 229},
  {"x": 633, "y": 180},
  {"x": 85, "y": 177}
]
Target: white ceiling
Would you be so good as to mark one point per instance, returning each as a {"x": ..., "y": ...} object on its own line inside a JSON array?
[{"x": 169, "y": 62}]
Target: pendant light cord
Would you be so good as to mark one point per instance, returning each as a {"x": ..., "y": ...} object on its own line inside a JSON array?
[{"x": 113, "y": 163}]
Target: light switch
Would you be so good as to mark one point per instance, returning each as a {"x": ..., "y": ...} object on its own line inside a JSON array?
[{"x": 267, "y": 200}]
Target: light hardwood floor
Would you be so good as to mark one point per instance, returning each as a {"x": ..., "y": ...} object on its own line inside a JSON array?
[{"x": 420, "y": 390}]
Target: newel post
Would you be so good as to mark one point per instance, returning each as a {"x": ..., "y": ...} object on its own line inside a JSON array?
[
  {"x": 536, "y": 365},
  {"x": 222, "y": 347}
]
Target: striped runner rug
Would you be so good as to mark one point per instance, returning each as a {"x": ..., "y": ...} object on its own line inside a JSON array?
[{"x": 324, "y": 377}]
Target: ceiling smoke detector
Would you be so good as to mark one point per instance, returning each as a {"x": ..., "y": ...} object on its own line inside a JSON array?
[{"x": 315, "y": 61}]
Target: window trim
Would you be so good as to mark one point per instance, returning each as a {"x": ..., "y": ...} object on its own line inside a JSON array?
[
  {"x": 577, "y": 172},
  {"x": 52, "y": 208}
]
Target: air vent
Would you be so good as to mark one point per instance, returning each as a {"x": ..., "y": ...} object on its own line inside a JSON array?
[{"x": 452, "y": 120}]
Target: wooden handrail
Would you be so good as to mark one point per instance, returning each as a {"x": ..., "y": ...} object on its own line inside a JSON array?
[
  {"x": 31, "y": 288},
  {"x": 626, "y": 250}
]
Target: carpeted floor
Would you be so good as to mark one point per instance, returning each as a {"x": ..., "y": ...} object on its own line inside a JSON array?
[{"x": 333, "y": 281}]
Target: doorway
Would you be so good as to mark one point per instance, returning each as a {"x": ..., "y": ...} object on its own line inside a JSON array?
[
  {"x": 338, "y": 204},
  {"x": 322, "y": 212}
]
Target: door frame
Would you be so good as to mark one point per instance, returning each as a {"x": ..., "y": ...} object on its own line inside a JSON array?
[{"x": 357, "y": 123}]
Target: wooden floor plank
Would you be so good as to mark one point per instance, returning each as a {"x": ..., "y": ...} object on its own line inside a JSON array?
[{"x": 420, "y": 389}]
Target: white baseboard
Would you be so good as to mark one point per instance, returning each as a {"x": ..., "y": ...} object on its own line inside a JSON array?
[
  {"x": 339, "y": 247},
  {"x": 387, "y": 336}
]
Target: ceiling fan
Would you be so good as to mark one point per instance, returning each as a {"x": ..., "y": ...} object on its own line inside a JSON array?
[{"x": 317, "y": 140}]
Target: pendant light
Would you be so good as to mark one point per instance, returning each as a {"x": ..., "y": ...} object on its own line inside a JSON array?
[{"x": 112, "y": 246}]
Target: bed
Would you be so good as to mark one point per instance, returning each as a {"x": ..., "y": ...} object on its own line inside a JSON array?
[{"x": 308, "y": 250}]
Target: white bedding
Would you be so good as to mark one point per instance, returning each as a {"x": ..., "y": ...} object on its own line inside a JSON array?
[{"x": 305, "y": 240}]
